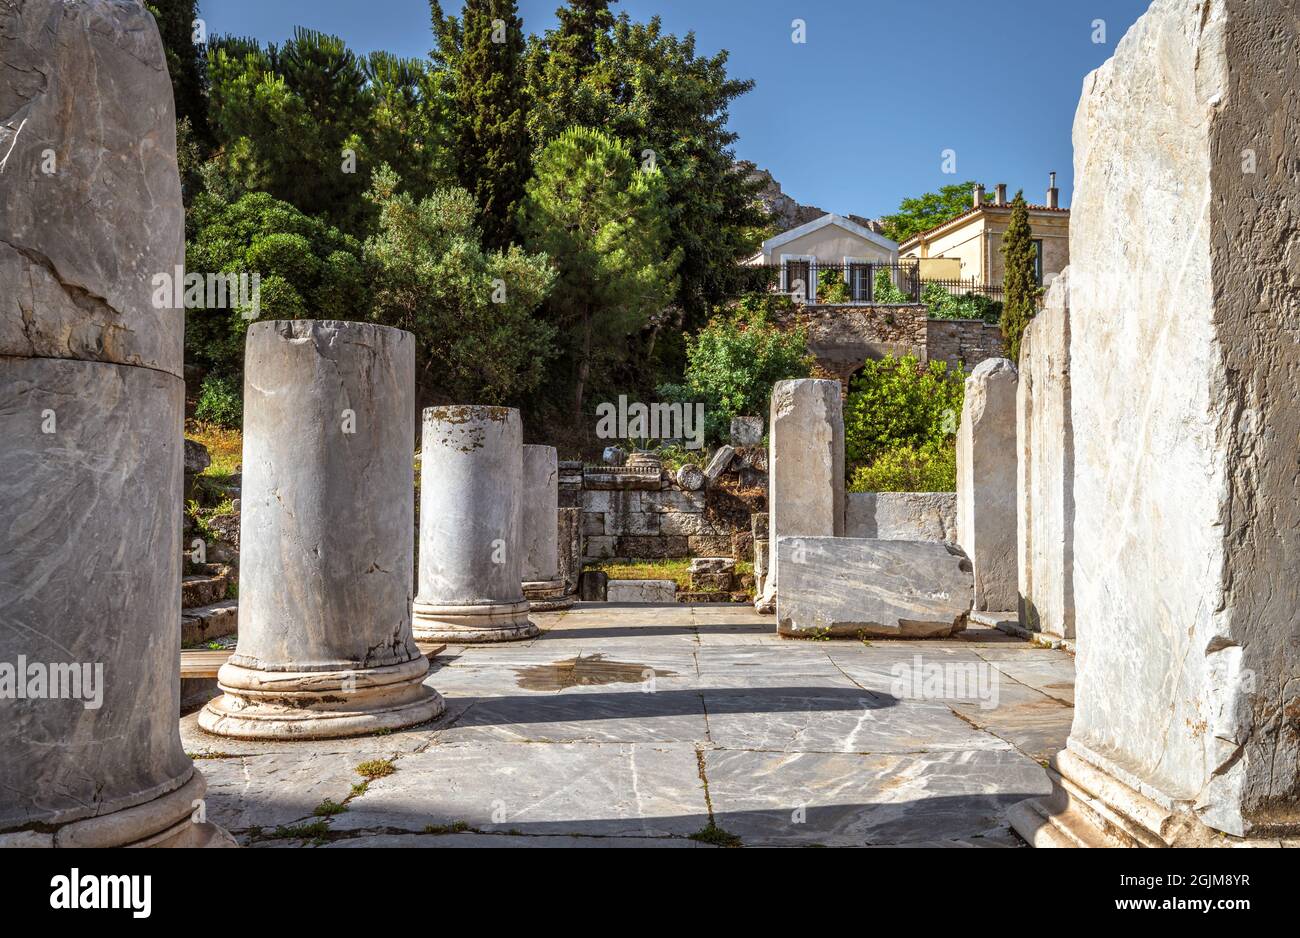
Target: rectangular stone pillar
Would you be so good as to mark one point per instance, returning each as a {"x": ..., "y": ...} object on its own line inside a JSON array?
[
  {"x": 1045, "y": 469},
  {"x": 1185, "y": 364},
  {"x": 986, "y": 482},
  {"x": 806, "y": 467}
]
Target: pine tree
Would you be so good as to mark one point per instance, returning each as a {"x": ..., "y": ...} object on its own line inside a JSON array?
[
  {"x": 176, "y": 20},
  {"x": 485, "y": 50},
  {"x": 1020, "y": 284}
]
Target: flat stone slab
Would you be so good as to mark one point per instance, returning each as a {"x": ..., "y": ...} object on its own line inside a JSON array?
[
  {"x": 559, "y": 741},
  {"x": 798, "y": 799},
  {"x": 605, "y": 790},
  {"x": 841, "y": 586},
  {"x": 641, "y": 591}
]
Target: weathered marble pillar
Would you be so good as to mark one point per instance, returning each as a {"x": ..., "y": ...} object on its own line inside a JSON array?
[
  {"x": 805, "y": 468},
  {"x": 986, "y": 483},
  {"x": 325, "y": 647},
  {"x": 569, "y": 532},
  {"x": 1045, "y": 469},
  {"x": 91, "y": 407},
  {"x": 471, "y": 520},
  {"x": 1185, "y": 367},
  {"x": 543, "y": 586}
]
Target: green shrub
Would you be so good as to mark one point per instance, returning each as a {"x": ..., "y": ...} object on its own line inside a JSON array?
[
  {"x": 831, "y": 287},
  {"x": 895, "y": 402},
  {"x": 945, "y": 305},
  {"x": 219, "y": 402},
  {"x": 929, "y": 468},
  {"x": 884, "y": 290}
]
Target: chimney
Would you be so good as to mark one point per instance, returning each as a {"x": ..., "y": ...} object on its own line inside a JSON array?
[
  {"x": 1001, "y": 197},
  {"x": 977, "y": 196},
  {"x": 1053, "y": 193}
]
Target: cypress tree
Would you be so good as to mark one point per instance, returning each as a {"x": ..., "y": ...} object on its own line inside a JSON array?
[
  {"x": 492, "y": 144},
  {"x": 1020, "y": 285}
]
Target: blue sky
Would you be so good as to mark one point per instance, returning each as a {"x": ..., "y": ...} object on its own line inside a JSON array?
[{"x": 857, "y": 117}]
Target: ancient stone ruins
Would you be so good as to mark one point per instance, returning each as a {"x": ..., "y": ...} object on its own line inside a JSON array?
[{"x": 1127, "y": 496}]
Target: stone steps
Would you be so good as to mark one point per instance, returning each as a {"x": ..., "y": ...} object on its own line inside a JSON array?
[
  {"x": 205, "y": 623},
  {"x": 206, "y": 588}
]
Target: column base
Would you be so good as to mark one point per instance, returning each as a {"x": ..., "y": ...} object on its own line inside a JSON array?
[
  {"x": 1089, "y": 807},
  {"x": 547, "y": 595},
  {"x": 167, "y": 821},
  {"x": 470, "y": 625},
  {"x": 320, "y": 704}
]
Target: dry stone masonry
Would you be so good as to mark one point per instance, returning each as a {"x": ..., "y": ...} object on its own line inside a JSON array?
[
  {"x": 986, "y": 482},
  {"x": 91, "y": 405},
  {"x": 471, "y": 510},
  {"x": 325, "y": 646},
  {"x": 1186, "y": 368}
]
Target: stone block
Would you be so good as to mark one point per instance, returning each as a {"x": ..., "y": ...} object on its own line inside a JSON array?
[
  {"x": 806, "y": 465},
  {"x": 681, "y": 522},
  {"x": 902, "y": 516},
  {"x": 600, "y": 547},
  {"x": 593, "y": 523},
  {"x": 986, "y": 483},
  {"x": 690, "y": 477},
  {"x": 711, "y": 582},
  {"x": 593, "y": 586},
  {"x": 541, "y": 496},
  {"x": 642, "y": 591},
  {"x": 747, "y": 431},
  {"x": 859, "y": 586},
  {"x": 708, "y": 545},
  {"x": 1045, "y": 469},
  {"x": 653, "y": 548},
  {"x": 621, "y": 523},
  {"x": 758, "y": 525},
  {"x": 720, "y": 463},
  {"x": 1186, "y": 376},
  {"x": 205, "y": 623},
  {"x": 712, "y": 565},
  {"x": 674, "y": 500},
  {"x": 742, "y": 544}
]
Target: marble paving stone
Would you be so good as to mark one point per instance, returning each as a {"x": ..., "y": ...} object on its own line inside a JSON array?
[
  {"x": 271, "y": 791},
  {"x": 795, "y": 719},
  {"x": 489, "y": 841},
  {"x": 607, "y": 790},
  {"x": 1035, "y": 724},
  {"x": 857, "y": 800},
  {"x": 1051, "y": 676}
]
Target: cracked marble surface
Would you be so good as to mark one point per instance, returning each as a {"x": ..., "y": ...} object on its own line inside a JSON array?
[{"x": 622, "y": 726}]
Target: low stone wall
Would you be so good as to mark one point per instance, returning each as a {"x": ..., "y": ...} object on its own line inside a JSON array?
[
  {"x": 902, "y": 516},
  {"x": 842, "y": 338}
]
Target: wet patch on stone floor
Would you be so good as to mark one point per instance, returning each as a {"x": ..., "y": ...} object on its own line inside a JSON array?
[{"x": 586, "y": 671}]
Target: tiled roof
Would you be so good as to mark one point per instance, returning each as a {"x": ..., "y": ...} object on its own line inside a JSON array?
[{"x": 972, "y": 210}]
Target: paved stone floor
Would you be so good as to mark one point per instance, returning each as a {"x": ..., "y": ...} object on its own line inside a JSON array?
[{"x": 645, "y": 725}]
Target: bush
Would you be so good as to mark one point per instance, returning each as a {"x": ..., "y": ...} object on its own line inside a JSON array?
[
  {"x": 736, "y": 359},
  {"x": 945, "y": 305},
  {"x": 930, "y": 468},
  {"x": 831, "y": 287},
  {"x": 884, "y": 290},
  {"x": 895, "y": 402},
  {"x": 219, "y": 403}
]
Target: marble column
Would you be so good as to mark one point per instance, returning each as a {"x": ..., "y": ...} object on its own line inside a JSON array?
[
  {"x": 986, "y": 483},
  {"x": 1185, "y": 367},
  {"x": 806, "y": 468},
  {"x": 91, "y": 411},
  {"x": 543, "y": 586},
  {"x": 471, "y": 517},
  {"x": 325, "y": 647}
]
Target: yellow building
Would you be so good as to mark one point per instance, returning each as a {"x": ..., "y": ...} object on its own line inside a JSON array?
[{"x": 974, "y": 238}]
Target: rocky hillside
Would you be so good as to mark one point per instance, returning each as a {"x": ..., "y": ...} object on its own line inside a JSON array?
[{"x": 785, "y": 212}]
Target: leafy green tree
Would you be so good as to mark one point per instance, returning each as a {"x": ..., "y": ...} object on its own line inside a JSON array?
[
  {"x": 185, "y": 64},
  {"x": 897, "y": 402},
  {"x": 669, "y": 105},
  {"x": 491, "y": 104},
  {"x": 924, "y": 212},
  {"x": 1019, "y": 280},
  {"x": 600, "y": 217},
  {"x": 470, "y": 309},
  {"x": 310, "y": 121},
  {"x": 735, "y": 360},
  {"x": 931, "y": 467},
  {"x": 306, "y": 268}
]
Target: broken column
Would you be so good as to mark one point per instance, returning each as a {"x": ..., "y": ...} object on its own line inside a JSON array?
[
  {"x": 325, "y": 647},
  {"x": 1186, "y": 413},
  {"x": 470, "y": 527},
  {"x": 544, "y": 588},
  {"x": 1045, "y": 469},
  {"x": 805, "y": 468},
  {"x": 91, "y": 407},
  {"x": 986, "y": 483}
]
